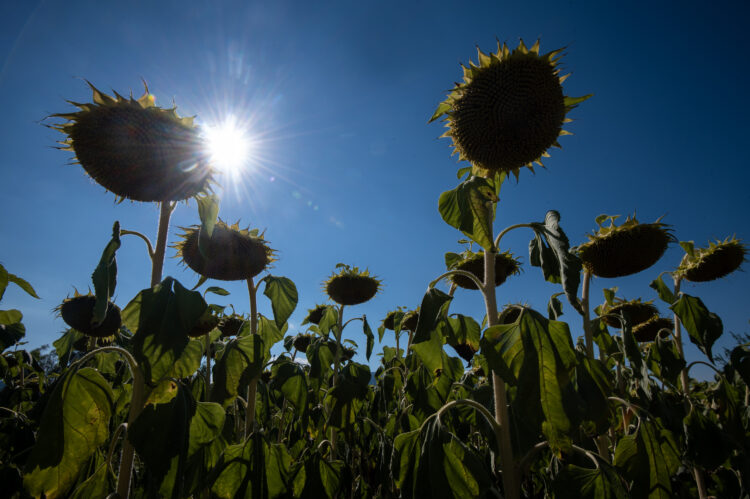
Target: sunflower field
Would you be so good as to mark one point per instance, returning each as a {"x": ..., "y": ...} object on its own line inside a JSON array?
[{"x": 171, "y": 395}]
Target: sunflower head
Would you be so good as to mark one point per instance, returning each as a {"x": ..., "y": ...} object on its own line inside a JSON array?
[
  {"x": 230, "y": 254},
  {"x": 647, "y": 331},
  {"x": 617, "y": 251},
  {"x": 465, "y": 350},
  {"x": 389, "y": 322},
  {"x": 509, "y": 109},
  {"x": 231, "y": 325},
  {"x": 506, "y": 265},
  {"x": 302, "y": 341},
  {"x": 635, "y": 311},
  {"x": 206, "y": 323},
  {"x": 410, "y": 320},
  {"x": 315, "y": 315},
  {"x": 719, "y": 259},
  {"x": 350, "y": 286},
  {"x": 78, "y": 312},
  {"x": 135, "y": 149}
]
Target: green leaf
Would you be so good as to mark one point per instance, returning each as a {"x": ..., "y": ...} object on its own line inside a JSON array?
[
  {"x": 324, "y": 478},
  {"x": 665, "y": 360},
  {"x": 351, "y": 386},
  {"x": 594, "y": 385},
  {"x": 8, "y": 317},
  {"x": 168, "y": 431},
  {"x": 550, "y": 250},
  {"x": 21, "y": 284},
  {"x": 537, "y": 355},
  {"x": 162, "y": 317},
  {"x": 289, "y": 378},
  {"x": 648, "y": 459},
  {"x": 689, "y": 247},
  {"x": 575, "y": 482},
  {"x": 320, "y": 355},
  {"x": 405, "y": 462},
  {"x": 268, "y": 331},
  {"x": 208, "y": 210},
  {"x": 283, "y": 295},
  {"x": 739, "y": 360},
  {"x": 463, "y": 330},
  {"x": 3, "y": 281},
  {"x": 10, "y": 334},
  {"x": 427, "y": 343},
  {"x": 703, "y": 326},
  {"x": 74, "y": 424},
  {"x": 705, "y": 443},
  {"x": 443, "y": 108},
  {"x": 467, "y": 208},
  {"x": 574, "y": 101},
  {"x": 665, "y": 294},
  {"x": 242, "y": 360},
  {"x": 216, "y": 290},
  {"x": 609, "y": 295},
  {"x": 330, "y": 319},
  {"x": 99, "y": 484},
  {"x": 369, "y": 335},
  {"x": 105, "y": 276}
]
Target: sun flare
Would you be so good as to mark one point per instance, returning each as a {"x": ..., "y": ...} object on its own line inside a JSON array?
[{"x": 229, "y": 146}]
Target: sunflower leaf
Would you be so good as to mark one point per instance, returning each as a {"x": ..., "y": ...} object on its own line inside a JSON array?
[
  {"x": 467, "y": 208},
  {"x": 283, "y": 295},
  {"x": 703, "y": 326},
  {"x": 105, "y": 276}
]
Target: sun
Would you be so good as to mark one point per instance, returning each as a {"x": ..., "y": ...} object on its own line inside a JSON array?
[{"x": 229, "y": 146}]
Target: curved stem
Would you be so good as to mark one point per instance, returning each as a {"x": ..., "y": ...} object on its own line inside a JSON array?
[
  {"x": 588, "y": 454},
  {"x": 252, "y": 387},
  {"x": 157, "y": 261},
  {"x": 112, "y": 444},
  {"x": 145, "y": 239},
  {"x": 525, "y": 462},
  {"x": 462, "y": 273},
  {"x": 132, "y": 364},
  {"x": 508, "y": 229}
]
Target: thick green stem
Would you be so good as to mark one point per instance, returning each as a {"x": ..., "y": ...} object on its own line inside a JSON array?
[
  {"x": 252, "y": 387},
  {"x": 511, "y": 478},
  {"x": 587, "y": 315},
  {"x": 157, "y": 262},
  {"x": 336, "y": 363},
  {"x": 208, "y": 365}
]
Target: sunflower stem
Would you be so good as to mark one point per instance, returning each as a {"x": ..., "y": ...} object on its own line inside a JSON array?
[
  {"x": 678, "y": 339},
  {"x": 511, "y": 479},
  {"x": 339, "y": 332},
  {"x": 157, "y": 262},
  {"x": 208, "y": 365},
  {"x": 252, "y": 387},
  {"x": 137, "y": 401}
]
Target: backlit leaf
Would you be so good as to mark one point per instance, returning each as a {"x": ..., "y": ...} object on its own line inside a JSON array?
[
  {"x": 283, "y": 295},
  {"x": 105, "y": 276},
  {"x": 703, "y": 326},
  {"x": 468, "y": 209}
]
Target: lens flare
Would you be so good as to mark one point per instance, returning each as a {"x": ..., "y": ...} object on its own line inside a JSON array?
[{"x": 229, "y": 146}]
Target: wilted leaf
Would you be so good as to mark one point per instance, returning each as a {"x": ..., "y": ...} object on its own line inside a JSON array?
[
  {"x": 704, "y": 327},
  {"x": 105, "y": 276},
  {"x": 241, "y": 361},
  {"x": 467, "y": 208},
  {"x": 427, "y": 343},
  {"x": 283, "y": 295}
]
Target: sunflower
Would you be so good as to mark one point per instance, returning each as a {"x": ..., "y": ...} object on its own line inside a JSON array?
[
  {"x": 410, "y": 320},
  {"x": 635, "y": 311},
  {"x": 231, "y": 325},
  {"x": 315, "y": 315},
  {"x": 506, "y": 265},
  {"x": 231, "y": 254},
  {"x": 617, "y": 251},
  {"x": 716, "y": 261},
  {"x": 206, "y": 323},
  {"x": 648, "y": 330},
  {"x": 135, "y": 149},
  {"x": 350, "y": 286},
  {"x": 78, "y": 312},
  {"x": 302, "y": 341},
  {"x": 509, "y": 109}
]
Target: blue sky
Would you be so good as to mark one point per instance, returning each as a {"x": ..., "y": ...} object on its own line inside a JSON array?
[{"x": 347, "y": 168}]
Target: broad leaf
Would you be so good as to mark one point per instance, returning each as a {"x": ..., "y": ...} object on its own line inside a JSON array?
[
  {"x": 706, "y": 445},
  {"x": 704, "y": 327},
  {"x": 6, "y": 277},
  {"x": 369, "y": 335},
  {"x": 267, "y": 330},
  {"x": 351, "y": 386},
  {"x": 665, "y": 360},
  {"x": 575, "y": 482},
  {"x": 648, "y": 459},
  {"x": 162, "y": 317},
  {"x": 468, "y": 208},
  {"x": 74, "y": 424},
  {"x": 665, "y": 294},
  {"x": 550, "y": 250},
  {"x": 427, "y": 343},
  {"x": 289, "y": 378},
  {"x": 241, "y": 361},
  {"x": 283, "y": 295},
  {"x": 10, "y": 334},
  {"x": 405, "y": 461}
]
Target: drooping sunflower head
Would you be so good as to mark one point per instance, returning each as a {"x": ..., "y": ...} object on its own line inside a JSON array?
[
  {"x": 231, "y": 325},
  {"x": 206, "y": 323},
  {"x": 315, "y": 315},
  {"x": 392, "y": 317},
  {"x": 509, "y": 109},
  {"x": 647, "y": 331},
  {"x": 135, "y": 149},
  {"x": 617, "y": 251},
  {"x": 78, "y": 313},
  {"x": 506, "y": 265},
  {"x": 350, "y": 286},
  {"x": 410, "y": 320},
  {"x": 635, "y": 311},
  {"x": 719, "y": 259},
  {"x": 302, "y": 341},
  {"x": 230, "y": 254}
]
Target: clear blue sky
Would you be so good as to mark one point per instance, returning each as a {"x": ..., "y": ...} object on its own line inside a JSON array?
[{"x": 348, "y": 169}]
